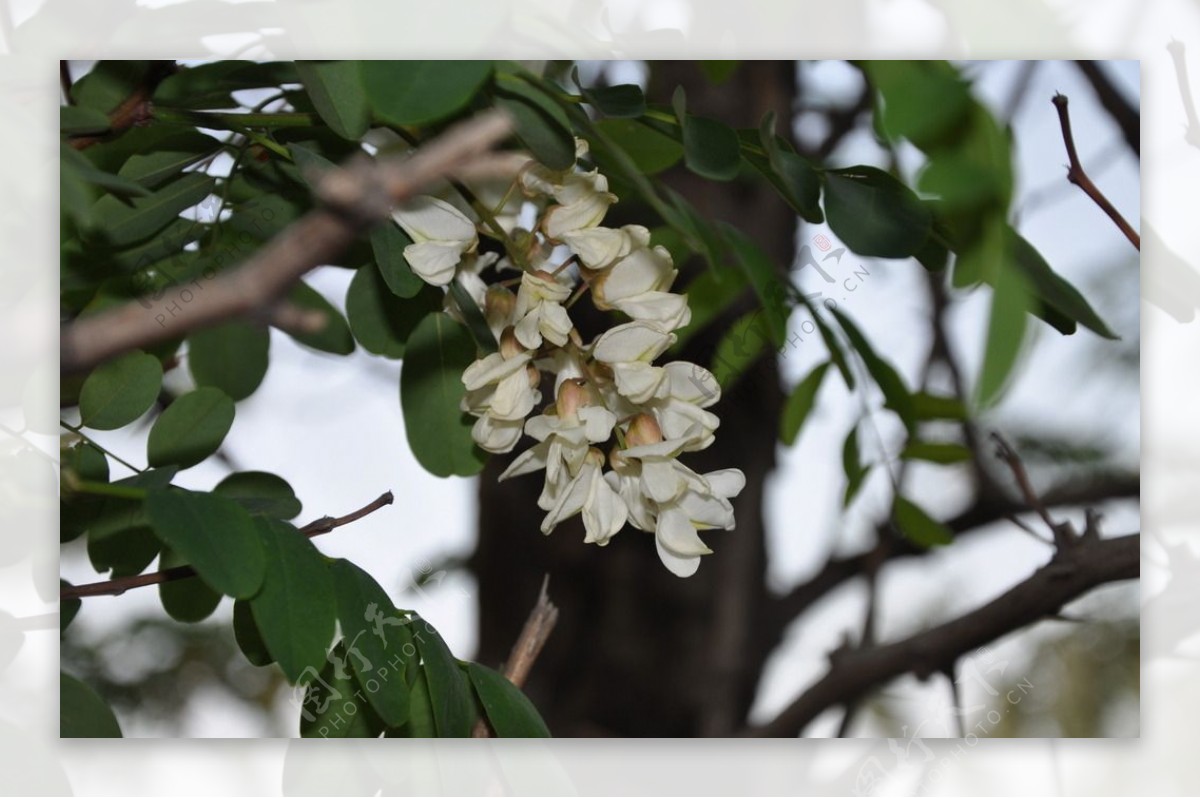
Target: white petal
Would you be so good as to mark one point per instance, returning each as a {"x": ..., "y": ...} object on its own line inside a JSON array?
[
  {"x": 571, "y": 500},
  {"x": 639, "y": 382},
  {"x": 528, "y": 330},
  {"x": 692, "y": 383},
  {"x": 597, "y": 246},
  {"x": 493, "y": 368},
  {"x": 554, "y": 323},
  {"x": 528, "y": 461},
  {"x": 641, "y": 271},
  {"x": 434, "y": 261},
  {"x": 678, "y": 535},
  {"x": 661, "y": 481},
  {"x": 707, "y": 511},
  {"x": 514, "y": 399},
  {"x": 495, "y": 435},
  {"x": 635, "y": 341},
  {"x": 726, "y": 483},
  {"x": 667, "y": 311},
  {"x": 604, "y": 514},
  {"x": 427, "y": 218},
  {"x": 598, "y": 423}
]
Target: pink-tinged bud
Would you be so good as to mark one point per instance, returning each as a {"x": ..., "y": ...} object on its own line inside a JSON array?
[
  {"x": 499, "y": 304},
  {"x": 510, "y": 347},
  {"x": 535, "y": 376},
  {"x": 643, "y": 431},
  {"x": 542, "y": 274},
  {"x": 572, "y": 395}
]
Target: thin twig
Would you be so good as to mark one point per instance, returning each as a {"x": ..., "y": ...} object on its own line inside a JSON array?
[
  {"x": 525, "y": 651},
  {"x": 1063, "y": 534},
  {"x": 115, "y": 587},
  {"x": 1076, "y": 175},
  {"x": 351, "y": 199}
]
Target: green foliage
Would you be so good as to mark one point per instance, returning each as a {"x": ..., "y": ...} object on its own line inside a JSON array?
[
  {"x": 215, "y": 535},
  {"x": 337, "y": 93},
  {"x": 420, "y": 92},
  {"x": 379, "y": 319},
  {"x": 874, "y": 213},
  {"x": 800, "y": 404},
  {"x": 508, "y": 711},
  {"x": 916, "y": 524},
  {"x": 542, "y": 125},
  {"x": 191, "y": 429},
  {"x": 120, "y": 391},
  {"x": 449, "y": 689},
  {"x": 232, "y": 356},
  {"x": 261, "y": 493},
  {"x": 82, "y": 713},
  {"x": 431, "y": 389},
  {"x": 186, "y": 600}
]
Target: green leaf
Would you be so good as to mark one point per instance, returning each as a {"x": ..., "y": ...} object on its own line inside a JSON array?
[
  {"x": 650, "y": 150},
  {"x": 481, "y": 333},
  {"x": 624, "y": 100},
  {"x": 249, "y": 638},
  {"x": 185, "y": 600},
  {"x": 449, "y": 691},
  {"x": 79, "y": 120},
  {"x": 420, "y": 92},
  {"x": 875, "y": 214},
  {"x": 261, "y": 493},
  {"x": 709, "y": 295},
  {"x": 381, "y": 321},
  {"x": 934, "y": 452},
  {"x": 372, "y": 627},
  {"x": 895, "y": 394},
  {"x": 792, "y": 175},
  {"x": 336, "y": 91},
  {"x": 334, "y": 706},
  {"x": 1005, "y": 335},
  {"x": 541, "y": 124},
  {"x": 509, "y": 711},
  {"x": 768, "y": 284},
  {"x": 923, "y": 101},
  {"x": 108, "y": 83},
  {"x": 84, "y": 462},
  {"x": 853, "y": 467},
  {"x": 211, "y": 85},
  {"x": 120, "y": 391},
  {"x": 710, "y": 148},
  {"x": 1052, "y": 289},
  {"x": 745, "y": 341},
  {"x": 190, "y": 429},
  {"x": 170, "y": 156},
  {"x": 123, "y": 224},
  {"x": 81, "y": 712},
  {"x": 125, "y": 551},
  {"x": 431, "y": 387},
  {"x": 421, "y": 722},
  {"x": 67, "y": 608},
  {"x": 215, "y": 535},
  {"x": 916, "y": 525},
  {"x": 798, "y": 406},
  {"x": 930, "y": 407},
  {"x": 231, "y": 356},
  {"x": 335, "y": 337},
  {"x": 295, "y": 610},
  {"x": 718, "y": 72},
  {"x": 388, "y": 242}
]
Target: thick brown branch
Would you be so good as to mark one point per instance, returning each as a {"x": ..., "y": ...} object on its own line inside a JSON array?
[
  {"x": 525, "y": 651},
  {"x": 1078, "y": 176},
  {"x": 115, "y": 587},
  {"x": 1071, "y": 573},
  {"x": 354, "y": 198}
]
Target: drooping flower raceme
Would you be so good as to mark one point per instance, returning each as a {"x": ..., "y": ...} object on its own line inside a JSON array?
[{"x": 609, "y": 441}]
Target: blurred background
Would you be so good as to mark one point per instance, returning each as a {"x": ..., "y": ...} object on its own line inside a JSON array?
[{"x": 638, "y": 652}]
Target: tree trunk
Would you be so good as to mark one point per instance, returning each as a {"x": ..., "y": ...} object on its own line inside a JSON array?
[{"x": 638, "y": 651}]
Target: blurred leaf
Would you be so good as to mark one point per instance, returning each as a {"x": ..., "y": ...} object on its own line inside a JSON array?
[
  {"x": 923, "y": 101},
  {"x": 108, "y": 83},
  {"x": 792, "y": 175},
  {"x": 81, "y": 712},
  {"x": 123, "y": 224},
  {"x": 336, "y": 91},
  {"x": 191, "y": 429},
  {"x": 214, "y": 534},
  {"x": 800, "y": 404},
  {"x": 916, "y": 525},
  {"x": 431, "y": 387},
  {"x": 295, "y": 610},
  {"x": 67, "y": 608},
  {"x": 1005, "y": 334},
  {"x": 335, "y": 337},
  {"x": 78, "y": 120},
  {"x": 381, "y": 321},
  {"x": 874, "y": 213},
  {"x": 509, "y": 711},
  {"x": 709, "y": 295},
  {"x": 651, "y": 150},
  {"x": 1059, "y": 294},
  {"x": 261, "y": 493},
  {"x": 421, "y": 722},
  {"x": 420, "y": 92},
  {"x": 372, "y": 628},
  {"x": 933, "y": 452},
  {"x": 388, "y": 242},
  {"x": 210, "y": 86},
  {"x": 449, "y": 690},
  {"x": 929, "y": 407},
  {"x": 334, "y": 706},
  {"x": 118, "y": 392},
  {"x": 710, "y": 148},
  {"x": 744, "y": 342},
  {"x": 541, "y": 124},
  {"x": 86, "y": 462},
  {"x": 171, "y": 155},
  {"x": 624, "y": 100},
  {"x": 853, "y": 467},
  {"x": 231, "y": 356},
  {"x": 185, "y": 600},
  {"x": 718, "y": 72},
  {"x": 125, "y": 551},
  {"x": 768, "y": 283}
]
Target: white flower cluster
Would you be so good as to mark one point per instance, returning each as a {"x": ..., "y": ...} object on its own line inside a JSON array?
[{"x": 608, "y": 394}]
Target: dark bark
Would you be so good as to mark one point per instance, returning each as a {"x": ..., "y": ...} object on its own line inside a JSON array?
[{"x": 638, "y": 651}]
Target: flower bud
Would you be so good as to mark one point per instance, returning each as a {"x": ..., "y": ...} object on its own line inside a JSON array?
[
  {"x": 595, "y": 457},
  {"x": 510, "y": 347},
  {"x": 572, "y": 395},
  {"x": 499, "y": 304},
  {"x": 643, "y": 430},
  {"x": 535, "y": 376}
]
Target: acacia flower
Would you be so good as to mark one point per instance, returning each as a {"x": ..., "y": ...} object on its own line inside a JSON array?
[
  {"x": 629, "y": 349},
  {"x": 441, "y": 235},
  {"x": 539, "y": 312},
  {"x": 501, "y": 392},
  {"x": 638, "y": 283}
]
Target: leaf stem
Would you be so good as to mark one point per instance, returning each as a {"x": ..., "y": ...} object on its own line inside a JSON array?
[{"x": 78, "y": 431}]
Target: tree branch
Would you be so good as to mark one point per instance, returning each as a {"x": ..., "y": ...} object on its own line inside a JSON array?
[
  {"x": 352, "y": 198},
  {"x": 525, "y": 651},
  {"x": 1071, "y": 572},
  {"x": 1076, "y": 175},
  {"x": 133, "y": 110},
  {"x": 115, "y": 587}
]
